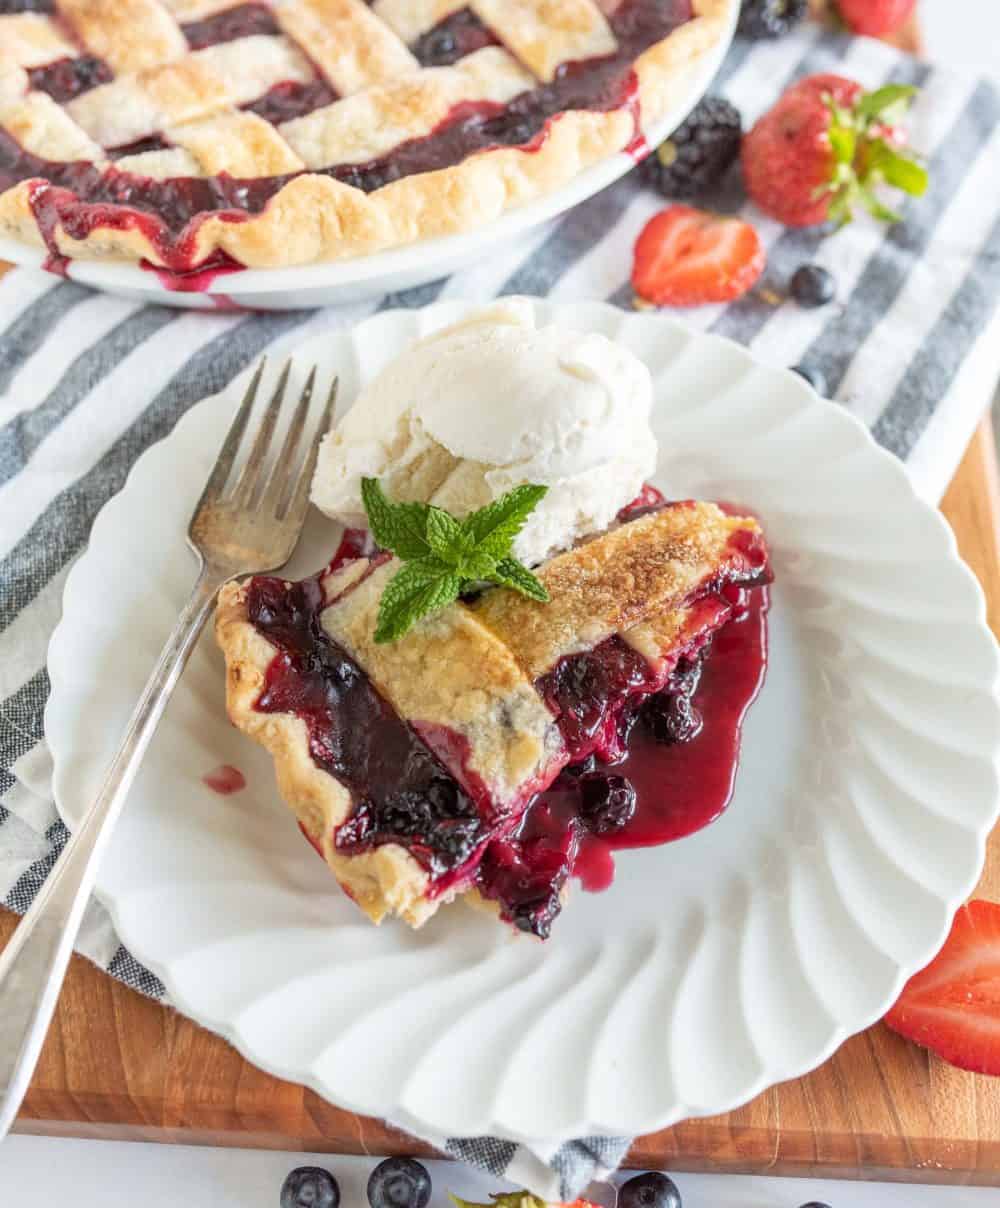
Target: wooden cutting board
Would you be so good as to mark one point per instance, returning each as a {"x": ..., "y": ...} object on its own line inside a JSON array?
[{"x": 116, "y": 1065}]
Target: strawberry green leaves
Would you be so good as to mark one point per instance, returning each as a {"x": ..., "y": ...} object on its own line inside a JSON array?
[
  {"x": 443, "y": 557},
  {"x": 865, "y": 141}
]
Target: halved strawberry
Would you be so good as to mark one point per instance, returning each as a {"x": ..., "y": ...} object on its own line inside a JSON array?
[
  {"x": 953, "y": 1006},
  {"x": 686, "y": 257}
]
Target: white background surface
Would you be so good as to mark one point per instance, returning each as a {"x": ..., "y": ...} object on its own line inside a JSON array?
[
  {"x": 36, "y": 1172},
  {"x": 87, "y": 1174}
]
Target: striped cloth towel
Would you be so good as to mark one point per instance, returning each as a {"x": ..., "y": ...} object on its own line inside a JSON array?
[{"x": 88, "y": 382}]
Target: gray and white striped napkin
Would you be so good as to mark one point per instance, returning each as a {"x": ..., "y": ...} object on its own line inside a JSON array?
[{"x": 88, "y": 382}]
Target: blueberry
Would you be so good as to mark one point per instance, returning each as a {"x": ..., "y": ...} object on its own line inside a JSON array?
[
  {"x": 815, "y": 1204},
  {"x": 438, "y": 48},
  {"x": 653, "y": 1190},
  {"x": 606, "y": 803},
  {"x": 310, "y": 1187},
  {"x": 812, "y": 285},
  {"x": 399, "y": 1183},
  {"x": 576, "y": 770},
  {"x": 813, "y": 376}
]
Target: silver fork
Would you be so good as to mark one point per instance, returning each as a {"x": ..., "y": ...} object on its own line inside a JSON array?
[{"x": 253, "y": 525}]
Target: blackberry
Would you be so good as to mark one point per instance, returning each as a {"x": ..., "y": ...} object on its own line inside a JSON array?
[
  {"x": 699, "y": 152},
  {"x": 770, "y": 18}
]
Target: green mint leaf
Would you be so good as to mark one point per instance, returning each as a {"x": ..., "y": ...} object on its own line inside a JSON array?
[
  {"x": 494, "y": 527},
  {"x": 477, "y": 564},
  {"x": 419, "y": 587},
  {"x": 511, "y": 573},
  {"x": 445, "y": 536},
  {"x": 873, "y": 104},
  {"x": 398, "y": 527},
  {"x": 904, "y": 173}
]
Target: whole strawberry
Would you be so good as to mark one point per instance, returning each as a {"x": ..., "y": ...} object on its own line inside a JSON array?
[
  {"x": 876, "y": 18},
  {"x": 825, "y": 147}
]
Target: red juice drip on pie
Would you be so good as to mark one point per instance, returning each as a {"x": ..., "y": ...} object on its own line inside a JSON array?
[
  {"x": 54, "y": 263},
  {"x": 195, "y": 280},
  {"x": 82, "y": 198},
  {"x": 649, "y": 499},
  {"x": 224, "y": 780},
  {"x": 355, "y": 543}
]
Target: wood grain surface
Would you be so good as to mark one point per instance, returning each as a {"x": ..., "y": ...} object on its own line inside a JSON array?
[{"x": 116, "y": 1065}]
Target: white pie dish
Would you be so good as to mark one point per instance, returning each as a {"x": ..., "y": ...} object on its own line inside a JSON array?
[
  {"x": 313, "y": 285},
  {"x": 868, "y": 784}
]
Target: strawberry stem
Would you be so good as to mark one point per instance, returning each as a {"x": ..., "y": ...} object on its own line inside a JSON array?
[{"x": 866, "y": 154}]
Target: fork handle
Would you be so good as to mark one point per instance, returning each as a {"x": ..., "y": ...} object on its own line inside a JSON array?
[{"x": 33, "y": 964}]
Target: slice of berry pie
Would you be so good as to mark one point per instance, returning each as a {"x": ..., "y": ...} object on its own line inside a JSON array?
[
  {"x": 270, "y": 132},
  {"x": 425, "y": 767}
]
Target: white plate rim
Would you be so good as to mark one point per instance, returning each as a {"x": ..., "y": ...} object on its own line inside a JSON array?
[{"x": 951, "y": 563}]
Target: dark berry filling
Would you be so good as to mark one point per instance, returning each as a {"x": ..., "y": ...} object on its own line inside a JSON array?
[
  {"x": 291, "y": 99},
  {"x": 402, "y": 792},
  {"x": 68, "y": 78},
  {"x": 452, "y": 39},
  {"x": 155, "y": 142},
  {"x": 168, "y": 212},
  {"x": 587, "y": 691},
  {"x": 244, "y": 21},
  {"x": 670, "y": 779},
  {"x": 607, "y": 802},
  {"x": 670, "y": 715}
]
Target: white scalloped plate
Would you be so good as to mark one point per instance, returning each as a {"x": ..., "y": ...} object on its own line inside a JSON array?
[
  {"x": 398, "y": 268},
  {"x": 713, "y": 967}
]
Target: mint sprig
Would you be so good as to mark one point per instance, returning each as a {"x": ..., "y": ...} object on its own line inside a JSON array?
[{"x": 444, "y": 557}]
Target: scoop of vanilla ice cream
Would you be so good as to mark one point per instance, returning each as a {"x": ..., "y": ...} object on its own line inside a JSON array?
[{"x": 489, "y": 403}]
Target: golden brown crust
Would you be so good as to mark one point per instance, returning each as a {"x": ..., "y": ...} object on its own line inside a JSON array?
[
  {"x": 131, "y": 35},
  {"x": 315, "y": 218},
  {"x": 610, "y": 584},
  {"x": 448, "y": 671},
  {"x": 384, "y": 881}
]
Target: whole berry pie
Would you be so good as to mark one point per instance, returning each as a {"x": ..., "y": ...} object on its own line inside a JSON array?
[
  {"x": 188, "y": 133},
  {"x": 490, "y": 749}
]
